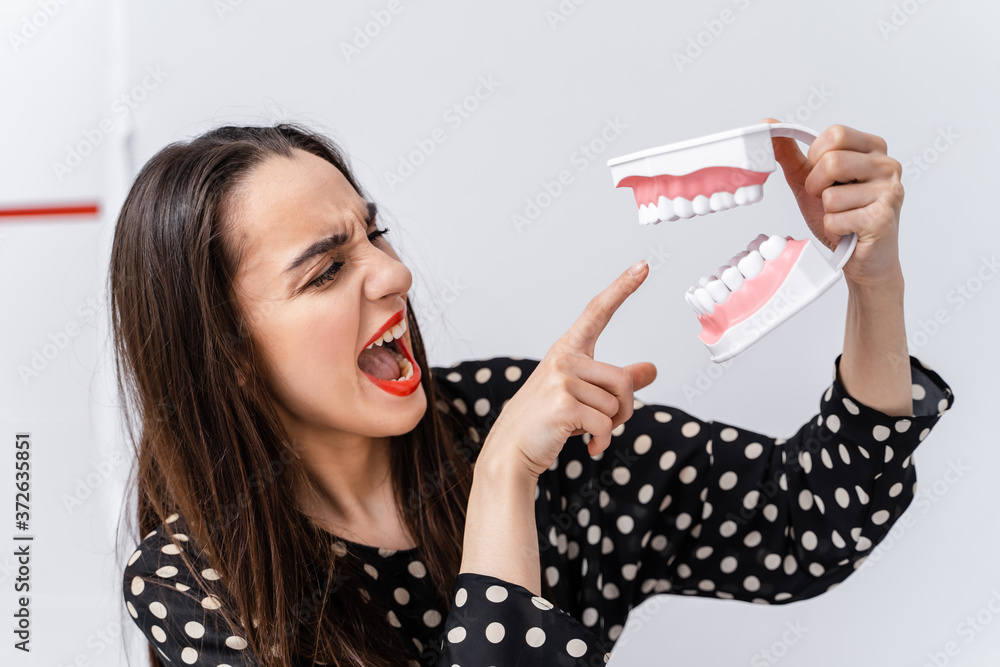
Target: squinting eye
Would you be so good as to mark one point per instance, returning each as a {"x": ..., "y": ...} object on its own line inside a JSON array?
[{"x": 327, "y": 275}]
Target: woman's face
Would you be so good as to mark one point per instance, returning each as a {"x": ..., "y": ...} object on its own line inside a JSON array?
[{"x": 313, "y": 333}]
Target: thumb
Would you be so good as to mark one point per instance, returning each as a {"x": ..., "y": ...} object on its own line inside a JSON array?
[
  {"x": 643, "y": 374},
  {"x": 794, "y": 163}
]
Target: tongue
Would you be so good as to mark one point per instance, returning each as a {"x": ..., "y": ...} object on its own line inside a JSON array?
[{"x": 379, "y": 362}]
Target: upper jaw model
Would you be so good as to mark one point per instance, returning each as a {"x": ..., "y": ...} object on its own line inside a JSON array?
[{"x": 760, "y": 287}]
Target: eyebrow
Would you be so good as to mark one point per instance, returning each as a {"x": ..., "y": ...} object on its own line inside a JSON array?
[{"x": 328, "y": 243}]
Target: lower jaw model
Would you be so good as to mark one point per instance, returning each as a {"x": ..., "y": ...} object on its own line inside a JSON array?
[{"x": 775, "y": 276}]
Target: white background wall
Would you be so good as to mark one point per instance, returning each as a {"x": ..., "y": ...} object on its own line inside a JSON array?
[{"x": 907, "y": 71}]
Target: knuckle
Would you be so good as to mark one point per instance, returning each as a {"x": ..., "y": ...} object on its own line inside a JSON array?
[
  {"x": 838, "y": 134},
  {"x": 829, "y": 198}
]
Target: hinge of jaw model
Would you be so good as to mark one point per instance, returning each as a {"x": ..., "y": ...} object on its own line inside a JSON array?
[{"x": 760, "y": 287}]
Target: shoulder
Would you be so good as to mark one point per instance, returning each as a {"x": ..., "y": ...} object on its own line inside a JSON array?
[{"x": 483, "y": 385}]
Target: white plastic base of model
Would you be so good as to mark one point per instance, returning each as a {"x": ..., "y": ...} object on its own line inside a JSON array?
[
  {"x": 746, "y": 148},
  {"x": 810, "y": 276}
]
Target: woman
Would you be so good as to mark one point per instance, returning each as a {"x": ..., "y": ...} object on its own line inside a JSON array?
[{"x": 305, "y": 482}]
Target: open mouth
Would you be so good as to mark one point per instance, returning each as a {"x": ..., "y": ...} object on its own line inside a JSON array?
[{"x": 387, "y": 362}]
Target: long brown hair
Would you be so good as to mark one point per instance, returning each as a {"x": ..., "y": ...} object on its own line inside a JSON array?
[{"x": 215, "y": 451}]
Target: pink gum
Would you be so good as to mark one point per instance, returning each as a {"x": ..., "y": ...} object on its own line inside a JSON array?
[
  {"x": 751, "y": 295},
  {"x": 708, "y": 181}
]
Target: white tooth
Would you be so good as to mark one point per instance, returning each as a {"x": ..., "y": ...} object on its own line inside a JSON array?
[
  {"x": 717, "y": 290},
  {"x": 751, "y": 265},
  {"x": 755, "y": 244},
  {"x": 397, "y": 331},
  {"x": 683, "y": 208},
  {"x": 705, "y": 299},
  {"x": 754, "y": 193},
  {"x": 704, "y": 280},
  {"x": 734, "y": 260},
  {"x": 773, "y": 247},
  {"x": 643, "y": 218},
  {"x": 693, "y": 302},
  {"x": 719, "y": 271},
  {"x": 387, "y": 335},
  {"x": 369, "y": 346},
  {"x": 733, "y": 278},
  {"x": 666, "y": 209},
  {"x": 728, "y": 199},
  {"x": 402, "y": 323},
  {"x": 741, "y": 196},
  {"x": 701, "y": 205},
  {"x": 378, "y": 342},
  {"x": 717, "y": 202}
]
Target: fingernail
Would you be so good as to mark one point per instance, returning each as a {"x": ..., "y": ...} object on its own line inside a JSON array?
[{"x": 637, "y": 268}]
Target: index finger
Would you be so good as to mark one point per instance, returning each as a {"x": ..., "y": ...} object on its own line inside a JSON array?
[
  {"x": 582, "y": 336},
  {"x": 843, "y": 138}
]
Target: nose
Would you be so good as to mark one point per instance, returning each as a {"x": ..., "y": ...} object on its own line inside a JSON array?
[{"x": 386, "y": 275}]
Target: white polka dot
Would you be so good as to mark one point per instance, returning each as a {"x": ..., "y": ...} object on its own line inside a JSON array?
[
  {"x": 687, "y": 474},
  {"x": 825, "y": 457},
  {"x": 923, "y": 434},
  {"x": 864, "y": 544},
  {"x": 131, "y": 610},
  {"x": 895, "y": 490},
  {"x": 339, "y": 548},
  {"x": 189, "y": 655},
  {"x": 171, "y": 549},
  {"x": 753, "y": 538},
  {"x": 646, "y": 493},
  {"x": 809, "y": 540},
  {"x": 862, "y": 496},
  {"x": 790, "y": 564},
  {"x": 880, "y": 517},
  {"x": 729, "y": 434},
  {"x": 495, "y": 632},
  {"x": 576, "y": 647},
  {"x": 727, "y": 529},
  {"x": 610, "y": 591},
  {"x": 703, "y": 552},
  {"x": 902, "y": 426},
  {"x": 706, "y": 585},
  {"x": 211, "y": 602},
  {"x": 621, "y": 475},
  {"x": 590, "y": 616},
  {"x": 842, "y": 497},
  {"x": 481, "y": 406},
  {"x": 806, "y": 461},
  {"x": 137, "y": 585},
  {"x": 816, "y": 570},
  {"x": 541, "y": 602},
  {"x": 642, "y": 444},
  {"x": 690, "y": 429},
  {"x": 496, "y": 593},
  {"x": 667, "y": 460},
  {"x": 432, "y": 618},
  {"x": 158, "y": 610},
  {"x": 888, "y": 453},
  {"x": 728, "y": 564},
  {"x": 805, "y": 499},
  {"x": 534, "y": 637},
  {"x": 166, "y": 571},
  {"x": 385, "y": 553},
  {"x": 625, "y": 524},
  {"x": 573, "y": 469},
  {"x": 662, "y": 417},
  {"x": 666, "y": 501},
  {"x": 194, "y": 629},
  {"x": 942, "y": 405},
  {"x": 833, "y": 423},
  {"x": 371, "y": 571},
  {"x": 751, "y": 583},
  {"x": 158, "y": 633},
  {"x": 210, "y": 574},
  {"x": 135, "y": 556},
  {"x": 456, "y": 635},
  {"x": 727, "y": 480},
  {"x": 454, "y": 376},
  {"x": 771, "y": 512},
  {"x": 512, "y": 373},
  {"x": 401, "y": 595},
  {"x": 181, "y": 587},
  {"x": 483, "y": 374},
  {"x": 237, "y": 643},
  {"x": 417, "y": 569},
  {"x": 629, "y": 571},
  {"x": 173, "y": 517},
  {"x": 683, "y": 520},
  {"x": 552, "y": 575},
  {"x": 881, "y": 432},
  {"x": 772, "y": 561},
  {"x": 753, "y": 450},
  {"x": 751, "y": 499},
  {"x": 659, "y": 543},
  {"x": 838, "y": 541}
]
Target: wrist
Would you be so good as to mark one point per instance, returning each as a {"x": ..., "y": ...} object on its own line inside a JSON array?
[{"x": 890, "y": 287}]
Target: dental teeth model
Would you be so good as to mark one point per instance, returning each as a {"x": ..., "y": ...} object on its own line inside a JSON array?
[{"x": 760, "y": 287}]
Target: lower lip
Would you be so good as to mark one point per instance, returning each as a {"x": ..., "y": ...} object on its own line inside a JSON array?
[{"x": 402, "y": 387}]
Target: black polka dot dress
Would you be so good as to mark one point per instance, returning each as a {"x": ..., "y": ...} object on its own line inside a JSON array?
[{"x": 675, "y": 505}]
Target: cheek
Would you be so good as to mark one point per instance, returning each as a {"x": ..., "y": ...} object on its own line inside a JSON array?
[{"x": 312, "y": 351}]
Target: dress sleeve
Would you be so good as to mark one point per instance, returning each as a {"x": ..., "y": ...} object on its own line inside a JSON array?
[
  {"x": 492, "y": 621},
  {"x": 178, "y": 616},
  {"x": 684, "y": 506}
]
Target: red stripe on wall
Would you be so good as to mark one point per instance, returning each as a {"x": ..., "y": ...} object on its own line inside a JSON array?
[{"x": 71, "y": 209}]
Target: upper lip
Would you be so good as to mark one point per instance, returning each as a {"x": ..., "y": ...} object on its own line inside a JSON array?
[{"x": 389, "y": 323}]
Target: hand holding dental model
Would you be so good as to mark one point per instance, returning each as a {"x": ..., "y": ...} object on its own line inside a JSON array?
[{"x": 846, "y": 187}]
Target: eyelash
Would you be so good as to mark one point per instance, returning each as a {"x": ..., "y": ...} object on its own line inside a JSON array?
[{"x": 328, "y": 275}]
